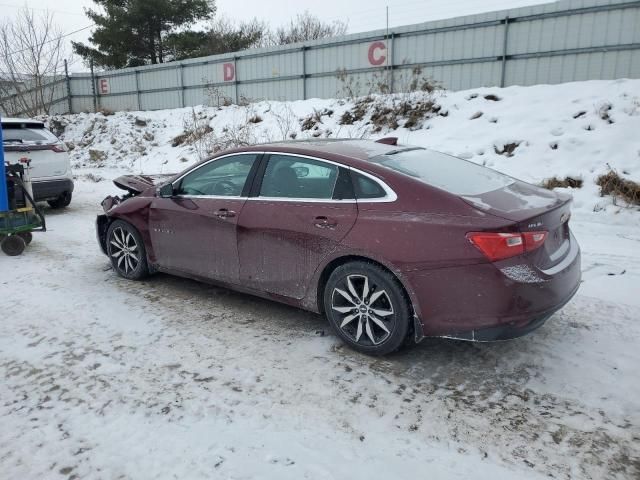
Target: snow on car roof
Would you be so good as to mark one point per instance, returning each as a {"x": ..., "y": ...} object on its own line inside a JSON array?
[{"x": 355, "y": 148}]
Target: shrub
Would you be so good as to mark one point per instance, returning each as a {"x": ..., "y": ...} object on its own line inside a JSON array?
[
  {"x": 566, "y": 182},
  {"x": 613, "y": 184}
]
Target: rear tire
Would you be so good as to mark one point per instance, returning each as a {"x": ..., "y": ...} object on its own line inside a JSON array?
[
  {"x": 126, "y": 251},
  {"x": 13, "y": 245},
  {"x": 367, "y": 308},
  {"x": 61, "y": 202}
]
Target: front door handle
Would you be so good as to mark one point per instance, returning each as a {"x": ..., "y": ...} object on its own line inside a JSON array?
[
  {"x": 225, "y": 213},
  {"x": 324, "y": 222}
]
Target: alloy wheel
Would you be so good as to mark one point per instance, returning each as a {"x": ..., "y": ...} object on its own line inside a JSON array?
[
  {"x": 366, "y": 311},
  {"x": 124, "y": 249}
]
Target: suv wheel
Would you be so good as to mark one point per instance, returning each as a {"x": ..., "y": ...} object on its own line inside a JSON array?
[{"x": 62, "y": 201}]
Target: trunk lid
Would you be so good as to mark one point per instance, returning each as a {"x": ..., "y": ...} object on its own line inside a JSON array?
[{"x": 533, "y": 209}]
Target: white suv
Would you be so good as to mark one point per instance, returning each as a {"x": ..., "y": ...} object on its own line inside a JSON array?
[{"x": 51, "y": 176}]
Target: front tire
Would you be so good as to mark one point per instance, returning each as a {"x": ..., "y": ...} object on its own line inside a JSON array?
[
  {"x": 126, "y": 251},
  {"x": 367, "y": 308}
]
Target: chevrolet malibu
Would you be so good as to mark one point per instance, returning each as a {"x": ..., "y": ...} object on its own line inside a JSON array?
[{"x": 391, "y": 243}]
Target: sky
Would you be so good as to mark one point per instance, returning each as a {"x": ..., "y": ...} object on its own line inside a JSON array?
[{"x": 361, "y": 15}]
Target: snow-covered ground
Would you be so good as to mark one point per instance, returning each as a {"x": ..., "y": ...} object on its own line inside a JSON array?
[{"x": 169, "y": 378}]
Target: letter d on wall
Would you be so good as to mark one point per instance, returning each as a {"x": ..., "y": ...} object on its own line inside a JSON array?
[{"x": 229, "y": 72}]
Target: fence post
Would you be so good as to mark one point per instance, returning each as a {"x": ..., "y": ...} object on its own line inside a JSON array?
[
  {"x": 68, "y": 82},
  {"x": 138, "y": 90},
  {"x": 181, "y": 73},
  {"x": 390, "y": 61},
  {"x": 504, "y": 51},
  {"x": 304, "y": 72},
  {"x": 93, "y": 87},
  {"x": 235, "y": 78}
]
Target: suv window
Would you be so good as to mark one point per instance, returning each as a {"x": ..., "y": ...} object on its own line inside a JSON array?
[
  {"x": 17, "y": 134},
  {"x": 225, "y": 177},
  {"x": 294, "y": 177}
]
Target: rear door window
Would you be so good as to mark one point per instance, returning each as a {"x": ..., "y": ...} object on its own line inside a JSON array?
[
  {"x": 445, "y": 172},
  {"x": 297, "y": 177}
]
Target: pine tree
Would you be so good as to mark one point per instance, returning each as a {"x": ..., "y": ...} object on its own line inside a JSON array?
[{"x": 133, "y": 32}]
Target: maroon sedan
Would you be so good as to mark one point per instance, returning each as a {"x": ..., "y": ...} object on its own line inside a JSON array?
[{"x": 389, "y": 242}]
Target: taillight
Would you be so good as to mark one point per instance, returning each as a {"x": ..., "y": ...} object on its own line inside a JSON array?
[
  {"x": 533, "y": 240},
  {"x": 498, "y": 246},
  {"x": 58, "y": 148}
]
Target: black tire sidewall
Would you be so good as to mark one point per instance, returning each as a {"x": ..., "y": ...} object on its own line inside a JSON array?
[
  {"x": 13, "y": 245},
  {"x": 141, "y": 269},
  {"x": 401, "y": 305},
  {"x": 27, "y": 237},
  {"x": 62, "y": 201}
]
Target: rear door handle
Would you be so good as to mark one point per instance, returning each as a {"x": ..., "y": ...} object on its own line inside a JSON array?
[
  {"x": 324, "y": 222},
  {"x": 224, "y": 213}
]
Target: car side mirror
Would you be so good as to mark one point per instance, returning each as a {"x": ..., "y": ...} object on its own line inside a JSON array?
[{"x": 166, "y": 191}]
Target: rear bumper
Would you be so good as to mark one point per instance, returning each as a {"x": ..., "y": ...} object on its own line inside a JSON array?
[
  {"x": 493, "y": 301},
  {"x": 51, "y": 189}
]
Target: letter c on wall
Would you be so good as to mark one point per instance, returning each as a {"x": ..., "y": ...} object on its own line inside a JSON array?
[
  {"x": 374, "y": 57},
  {"x": 229, "y": 72}
]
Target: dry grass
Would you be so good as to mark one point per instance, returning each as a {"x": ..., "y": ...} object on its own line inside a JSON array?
[
  {"x": 506, "y": 149},
  {"x": 566, "y": 182},
  {"x": 618, "y": 187},
  {"x": 314, "y": 120},
  {"x": 403, "y": 111},
  {"x": 191, "y": 136}
]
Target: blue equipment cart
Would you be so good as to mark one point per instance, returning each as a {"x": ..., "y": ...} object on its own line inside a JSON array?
[{"x": 19, "y": 214}]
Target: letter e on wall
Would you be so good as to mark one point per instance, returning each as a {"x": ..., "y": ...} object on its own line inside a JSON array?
[
  {"x": 103, "y": 86},
  {"x": 229, "y": 72}
]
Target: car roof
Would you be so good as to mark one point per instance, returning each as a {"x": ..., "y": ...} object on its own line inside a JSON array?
[
  {"x": 22, "y": 121},
  {"x": 358, "y": 149}
]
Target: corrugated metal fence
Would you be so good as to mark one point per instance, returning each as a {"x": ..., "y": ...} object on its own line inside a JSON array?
[{"x": 568, "y": 40}]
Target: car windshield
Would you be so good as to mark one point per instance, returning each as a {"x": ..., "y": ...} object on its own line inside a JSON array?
[{"x": 445, "y": 172}]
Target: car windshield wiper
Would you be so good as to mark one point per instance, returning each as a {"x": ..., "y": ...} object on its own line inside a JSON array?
[{"x": 12, "y": 140}]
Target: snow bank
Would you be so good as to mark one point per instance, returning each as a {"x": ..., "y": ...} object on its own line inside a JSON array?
[{"x": 533, "y": 133}]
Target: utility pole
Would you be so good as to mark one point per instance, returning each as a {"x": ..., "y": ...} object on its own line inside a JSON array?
[{"x": 387, "y": 44}]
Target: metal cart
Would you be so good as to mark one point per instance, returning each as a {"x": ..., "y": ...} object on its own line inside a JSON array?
[{"x": 19, "y": 214}]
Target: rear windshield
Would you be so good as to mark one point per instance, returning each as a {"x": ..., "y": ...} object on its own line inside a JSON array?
[
  {"x": 445, "y": 172},
  {"x": 16, "y": 134}
]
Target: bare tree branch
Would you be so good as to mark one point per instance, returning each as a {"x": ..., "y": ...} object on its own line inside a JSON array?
[{"x": 31, "y": 63}]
